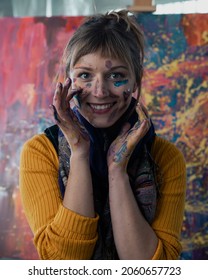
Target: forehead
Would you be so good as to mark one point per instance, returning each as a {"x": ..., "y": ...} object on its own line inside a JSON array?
[{"x": 96, "y": 59}]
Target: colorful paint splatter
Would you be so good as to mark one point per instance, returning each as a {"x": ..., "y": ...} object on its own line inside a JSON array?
[{"x": 174, "y": 89}]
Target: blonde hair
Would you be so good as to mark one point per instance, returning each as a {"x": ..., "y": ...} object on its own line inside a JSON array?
[{"x": 115, "y": 34}]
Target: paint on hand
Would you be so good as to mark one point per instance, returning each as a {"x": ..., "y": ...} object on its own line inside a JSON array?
[
  {"x": 55, "y": 113},
  {"x": 120, "y": 83},
  {"x": 121, "y": 153},
  {"x": 141, "y": 113},
  {"x": 77, "y": 101}
]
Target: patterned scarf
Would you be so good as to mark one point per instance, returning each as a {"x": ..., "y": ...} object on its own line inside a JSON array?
[{"x": 141, "y": 170}]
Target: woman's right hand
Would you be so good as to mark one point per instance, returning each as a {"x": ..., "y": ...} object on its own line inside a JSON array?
[{"x": 75, "y": 134}]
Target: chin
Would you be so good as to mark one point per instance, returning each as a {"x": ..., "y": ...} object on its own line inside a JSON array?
[{"x": 101, "y": 124}]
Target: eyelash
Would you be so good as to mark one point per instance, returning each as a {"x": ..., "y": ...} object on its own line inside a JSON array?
[
  {"x": 109, "y": 76},
  {"x": 83, "y": 73},
  {"x": 117, "y": 74}
]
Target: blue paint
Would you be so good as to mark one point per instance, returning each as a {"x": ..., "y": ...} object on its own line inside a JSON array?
[
  {"x": 120, "y": 83},
  {"x": 77, "y": 101}
]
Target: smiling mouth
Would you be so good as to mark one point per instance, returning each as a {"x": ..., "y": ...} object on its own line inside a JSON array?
[{"x": 101, "y": 108}]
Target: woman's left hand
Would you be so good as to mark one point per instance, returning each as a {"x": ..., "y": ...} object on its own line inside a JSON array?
[{"x": 123, "y": 146}]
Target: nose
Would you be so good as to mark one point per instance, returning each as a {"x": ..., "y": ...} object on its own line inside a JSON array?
[{"x": 100, "y": 89}]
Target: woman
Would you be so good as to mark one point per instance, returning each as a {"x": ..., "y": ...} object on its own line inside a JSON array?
[{"x": 100, "y": 184}]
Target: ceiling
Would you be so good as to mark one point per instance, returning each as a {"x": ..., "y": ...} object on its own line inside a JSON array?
[{"x": 21, "y": 8}]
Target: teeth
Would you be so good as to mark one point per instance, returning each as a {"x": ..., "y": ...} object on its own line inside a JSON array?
[{"x": 101, "y": 107}]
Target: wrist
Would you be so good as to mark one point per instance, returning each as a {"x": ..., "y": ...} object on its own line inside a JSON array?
[
  {"x": 116, "y": 172},
  {"x": 79, "y": 157}
]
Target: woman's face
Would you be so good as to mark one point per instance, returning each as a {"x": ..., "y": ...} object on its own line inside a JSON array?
[{"x": 107, "y": 86}]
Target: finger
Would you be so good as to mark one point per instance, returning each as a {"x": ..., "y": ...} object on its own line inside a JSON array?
[
  {"x": 140, "y": 112},
  {"x": 125, "y": 128},
  {"x": 59, "y": 101},
  {"x": 72, "y": 124},
  {"x": 64, "y": 93},
  {"x": 66, "y": 86},
  {"x": 55, "y": 113},
  {"x": 122, "y": 154},
  {"x": 64, "y": 116},
  {"x": 76, "y": 95},
  {"x": 139, "y": 131},
  {"x": 144, "y": 110},
  {"x": 71, "y": 93},
  {"x": 57, "y": 92},
  {"x": 60, "y": 119},
  {"x": 123, "y": 133}
]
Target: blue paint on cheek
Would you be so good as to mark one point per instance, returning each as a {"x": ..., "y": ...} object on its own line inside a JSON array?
[{"x": 120, "y": 83}]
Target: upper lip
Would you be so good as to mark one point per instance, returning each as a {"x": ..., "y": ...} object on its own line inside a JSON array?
[{"x": 107, "y": 103}]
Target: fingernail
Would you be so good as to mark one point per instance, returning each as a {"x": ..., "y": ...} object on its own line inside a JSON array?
[
  {"x": 68, "y": 80},
  {"x": 58, "y": 85}
]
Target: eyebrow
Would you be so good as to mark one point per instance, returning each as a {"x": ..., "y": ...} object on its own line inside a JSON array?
[
  {"x": 84, "y": 68},
  {"x": 110, "y": 69},
  {"x": 119, "y": 66}
]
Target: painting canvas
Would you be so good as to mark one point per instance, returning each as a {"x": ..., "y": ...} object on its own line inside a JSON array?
[{"x": 174, "y": 90}]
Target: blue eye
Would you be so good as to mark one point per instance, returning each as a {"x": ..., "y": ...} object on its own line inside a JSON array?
[
  {"x": 84, "y": 76},
  {"x": 116, "y": 75}
]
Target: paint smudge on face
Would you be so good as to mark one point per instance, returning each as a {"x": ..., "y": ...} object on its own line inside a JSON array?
[
  {"x": 108, "y": 64},
  {"x": 120, "y": 83},
  {"x": 85, "y": 93},
  {"x": 126, "y": 94},
  {"x": 88, "y": 85}
]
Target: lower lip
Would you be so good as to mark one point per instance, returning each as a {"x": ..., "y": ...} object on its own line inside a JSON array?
[{"x": 101, "y": 112}]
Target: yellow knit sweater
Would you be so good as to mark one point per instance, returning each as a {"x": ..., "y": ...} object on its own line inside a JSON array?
[{"x": 59, "y": 233}]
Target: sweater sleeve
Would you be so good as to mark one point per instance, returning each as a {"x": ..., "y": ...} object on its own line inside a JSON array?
[
  {"x": 59, "y": 233},
  {"x": 171, "y": 201}
]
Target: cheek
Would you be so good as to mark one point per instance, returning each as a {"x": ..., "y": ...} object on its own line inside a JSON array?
[
  {"x": 86, "y": 87},
  {"x": 123, "y": 89},
  {"x": 124, "y": 93},
  {"x": 75, "y": 84},
  {"x": 90, "y": 87},
  {"x": 76, "y": 81}
]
